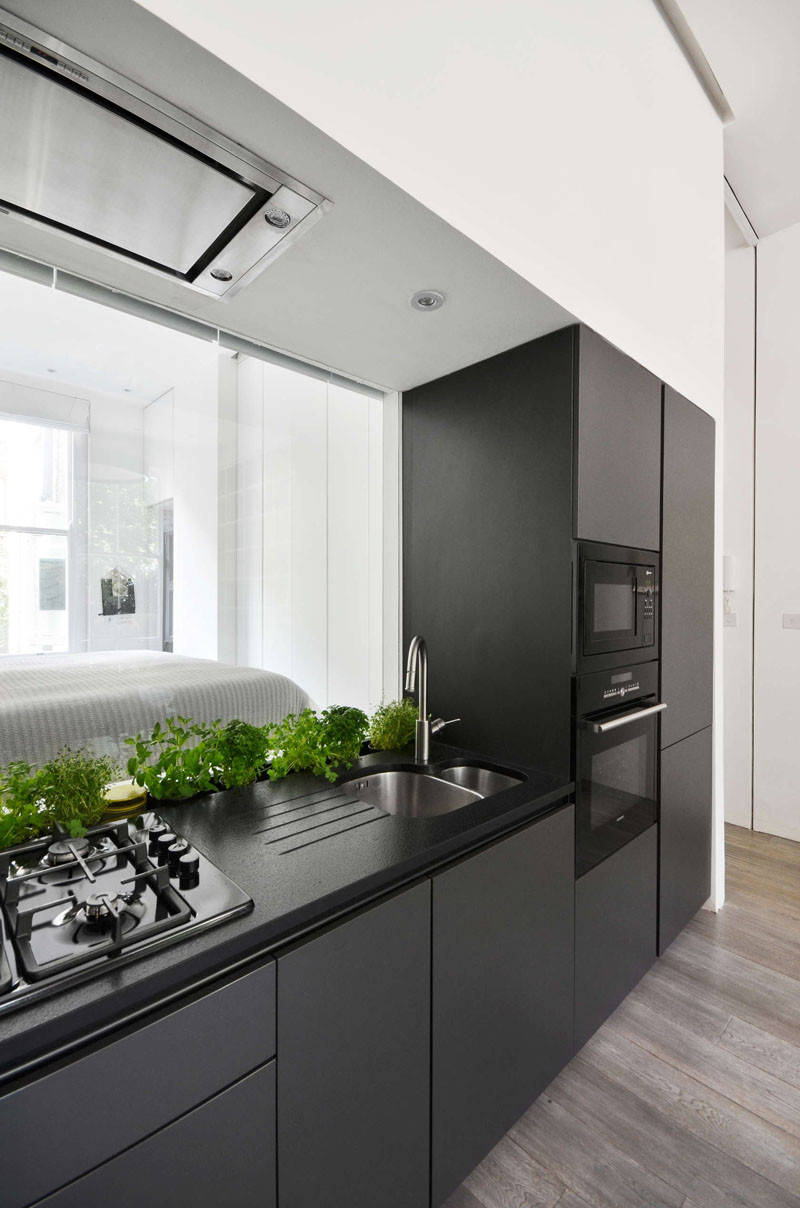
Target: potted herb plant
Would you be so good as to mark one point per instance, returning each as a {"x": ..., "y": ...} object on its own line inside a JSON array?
[
  {"x": 240, "y": 753},
  {"x": 321, "y": 744},
  {"x": 176, "y": 761},
  {"x": 393, "y": 726},
  {"x": 68, "y": 791}
]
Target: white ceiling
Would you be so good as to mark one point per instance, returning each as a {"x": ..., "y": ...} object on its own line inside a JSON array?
[
  {"x": 753, "y": 47},
  {"x": 340, "y": 296},
  {"x": 61, "y": 338}
]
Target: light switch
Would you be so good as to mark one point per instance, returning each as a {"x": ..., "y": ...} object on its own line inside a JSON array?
[{"x": 791, "y": 620}]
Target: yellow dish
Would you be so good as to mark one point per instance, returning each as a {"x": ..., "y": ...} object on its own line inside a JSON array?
[{"x": 124, "y": 797}]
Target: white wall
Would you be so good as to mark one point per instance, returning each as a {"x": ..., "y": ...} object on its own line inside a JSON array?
[
  {"x": 776, "y": 797},
  {"x": 569, "y": 138},
  {"x": 195, "y": 467},
  {"x": 158, "y": 435},
  {"x": 738, "y": 529}
]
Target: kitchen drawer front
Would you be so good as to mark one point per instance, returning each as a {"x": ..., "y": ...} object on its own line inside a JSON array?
[
  {"x": 220, "y": 1153},
  {"x": 58, "y": 1126}
]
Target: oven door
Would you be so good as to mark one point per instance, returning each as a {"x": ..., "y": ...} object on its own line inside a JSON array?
[{"x": 617, "y": 753}]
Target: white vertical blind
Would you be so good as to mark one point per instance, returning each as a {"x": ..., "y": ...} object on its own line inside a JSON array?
[{"x": 310, "y": 523}]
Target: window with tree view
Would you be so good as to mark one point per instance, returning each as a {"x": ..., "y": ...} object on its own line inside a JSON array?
[{"x": 35, "y": 523}]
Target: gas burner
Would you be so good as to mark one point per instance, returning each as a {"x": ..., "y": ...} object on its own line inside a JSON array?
[
  {"x": 66, "y": 903},
  {"x": 100, "y": 906},
  {"x": 99, "y": 914},
  {"x": 65, "y": 850}
]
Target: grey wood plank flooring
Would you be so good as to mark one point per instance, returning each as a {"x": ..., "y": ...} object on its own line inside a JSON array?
[{"x": 689, "y": 1095}]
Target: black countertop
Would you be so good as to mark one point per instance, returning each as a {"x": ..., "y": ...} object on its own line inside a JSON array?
[{"x": 305, "y": 852}]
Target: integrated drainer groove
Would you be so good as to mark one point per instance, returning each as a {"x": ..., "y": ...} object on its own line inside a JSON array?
[
  {"x": 312, "y": 815},
  {"x": 298, "y": 801},
  {"x": 311, "y": 818}
]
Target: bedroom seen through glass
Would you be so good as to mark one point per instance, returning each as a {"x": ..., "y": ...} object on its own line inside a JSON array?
[{"x": 164, "y": 498}]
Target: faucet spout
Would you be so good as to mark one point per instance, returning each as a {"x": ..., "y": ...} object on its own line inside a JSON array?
[
  {"x": 418, "y": 657},
  {"x": 417, "y": 679}
]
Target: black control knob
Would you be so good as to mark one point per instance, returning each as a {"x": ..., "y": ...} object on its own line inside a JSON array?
[
  {"x": 153, "y": 835},
  {"x": 174, "y": 853},
  {"x": 189, "y": 870},
  {"x": 163, "y": 845}
]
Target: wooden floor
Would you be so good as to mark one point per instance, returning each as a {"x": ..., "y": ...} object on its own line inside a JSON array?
[{"x": 689, "y": 1095}]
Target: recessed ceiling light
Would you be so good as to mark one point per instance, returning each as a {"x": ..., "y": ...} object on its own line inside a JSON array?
[
  {"x": 428, "y": 299},
  {"x": 51, "y": 371},
  {"x": 126, "y": 389},
  {"x": 277, "y": 218},
  {"x": 221, "y": 274}
]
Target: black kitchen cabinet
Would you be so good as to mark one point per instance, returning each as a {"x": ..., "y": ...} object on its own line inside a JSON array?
[
  {"x": 119, "y": 1090},
  {"x": 685, "y": 852},
  {"x": 486, "y": 560},
  {"x": 354, "y": 1060},
  {"x": 687, "y": 569},
  {"x": 615, "y": 931},
  {"x": 617, "y": 447},
  {"x": 221, "y": 1153},
  {"x": 502, "y": 990}
]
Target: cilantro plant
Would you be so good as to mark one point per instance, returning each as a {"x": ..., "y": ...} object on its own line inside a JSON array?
[{"x": 20, "y": 812}]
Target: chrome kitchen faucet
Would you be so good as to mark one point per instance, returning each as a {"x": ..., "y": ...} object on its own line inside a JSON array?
[{"x": 417, "y": 664}]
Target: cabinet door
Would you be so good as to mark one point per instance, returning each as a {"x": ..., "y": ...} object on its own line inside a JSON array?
[
  {"x": 502, "y": 990},
  {"x": 354, "y": 1060},
  {"x": 487, "y": 495},
  {"x": 617, "y": 447},
  {"x": 220, "y": 1153},
  {"x": 615, "y": 931},
  {"x": 685, "y": 858},
  {"x": 687, "y": 569}
]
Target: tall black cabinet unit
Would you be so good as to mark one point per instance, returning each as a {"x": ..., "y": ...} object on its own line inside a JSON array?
[
  {"x": 486, "y": 560},
  {"x": 502, "y": 990},
  {"x": 687, "y": 650},
  {"x": 617, "y": 446}
]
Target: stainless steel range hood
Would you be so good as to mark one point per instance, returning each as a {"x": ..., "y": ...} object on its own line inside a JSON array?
[{"x": 96, "y": 157}]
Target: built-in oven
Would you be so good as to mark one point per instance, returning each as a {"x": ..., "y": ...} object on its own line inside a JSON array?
[
  {"x": 616, "y": 720},
  {"x": 617, "y": 606}
]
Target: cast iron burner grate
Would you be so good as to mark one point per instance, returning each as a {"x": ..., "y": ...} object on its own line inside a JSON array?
[{"x": 71, "y": 900}]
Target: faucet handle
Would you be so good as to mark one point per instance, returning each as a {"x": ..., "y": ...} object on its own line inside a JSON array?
[{"x": 439, "y": 724}]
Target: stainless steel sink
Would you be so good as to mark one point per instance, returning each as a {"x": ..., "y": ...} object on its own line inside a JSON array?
[
  {"x": 483, "y": 781},
  {"x": 410, "y": 794},
  {"x": 426, "y": 794}
]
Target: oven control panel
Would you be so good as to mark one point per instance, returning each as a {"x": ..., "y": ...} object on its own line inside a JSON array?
[{"x": 600, "y": 690}]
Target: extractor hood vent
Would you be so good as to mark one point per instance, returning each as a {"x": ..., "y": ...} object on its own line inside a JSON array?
[{"x": 96, "y": 157}]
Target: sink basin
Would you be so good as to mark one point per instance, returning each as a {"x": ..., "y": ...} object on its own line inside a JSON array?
[
  {"x": 410, "y": 794},
  {"x": 483, "y": 781}
]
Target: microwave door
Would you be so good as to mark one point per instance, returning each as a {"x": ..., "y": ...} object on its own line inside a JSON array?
[{"x": 609, "y": 607}]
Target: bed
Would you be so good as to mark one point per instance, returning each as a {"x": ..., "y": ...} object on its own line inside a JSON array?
[{"x": 50, "y": 701}]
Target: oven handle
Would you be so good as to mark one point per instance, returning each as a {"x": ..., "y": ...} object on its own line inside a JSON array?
[{"x": 602, "y": 727}]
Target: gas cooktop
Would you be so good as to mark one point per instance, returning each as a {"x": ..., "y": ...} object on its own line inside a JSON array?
[{"x": 72, "y": 908}]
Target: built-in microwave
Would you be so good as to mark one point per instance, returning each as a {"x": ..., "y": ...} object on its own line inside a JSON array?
[{"x": 616, "y": 618}]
